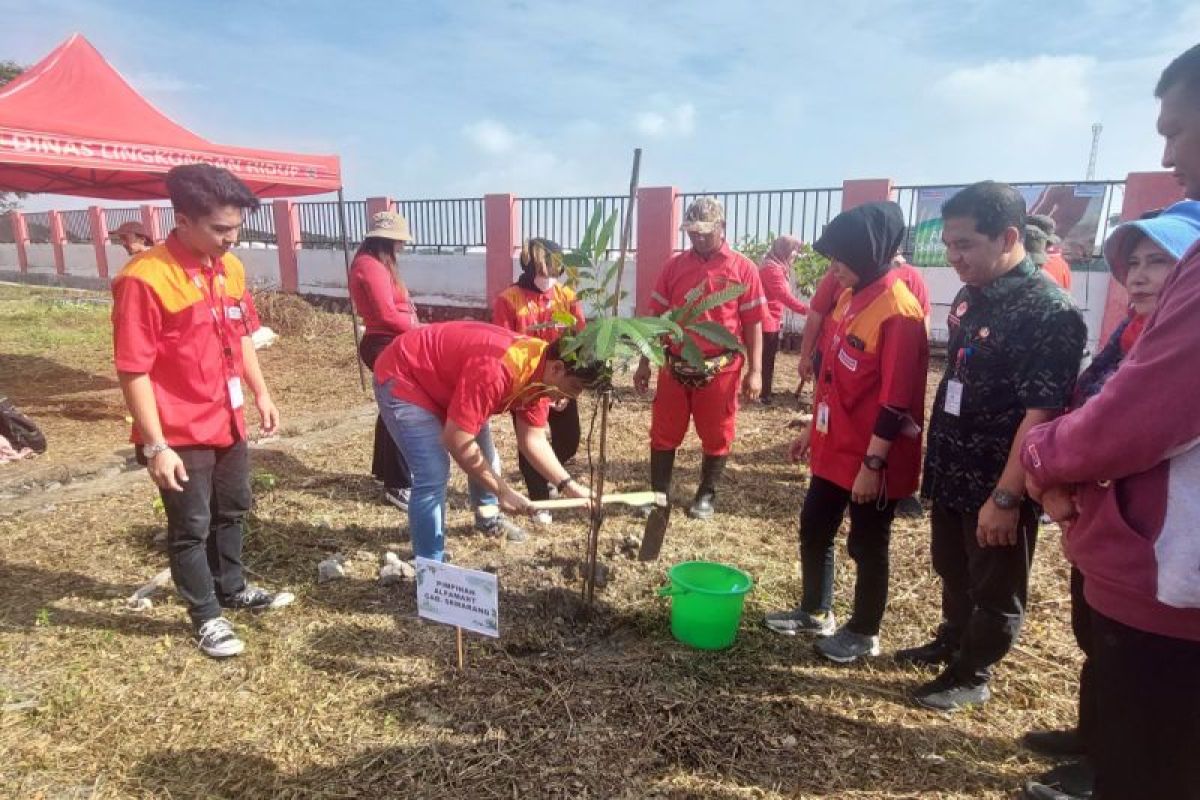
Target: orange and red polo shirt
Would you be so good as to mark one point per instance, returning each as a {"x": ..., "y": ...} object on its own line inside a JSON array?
[
  {"x": 877, "y": 355},
  {"x": 520, "y": 309},
  {"x": 717, "y": 271},
  {"x": 182, "y": 324},
  {"x": 467, "y": 372}
]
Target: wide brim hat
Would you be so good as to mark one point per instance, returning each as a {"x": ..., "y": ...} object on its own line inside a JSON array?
[
  {"x": 1175, "y": 230},
  {"x": 130, "y": 228},
  {"x": 389, "y": 225}
]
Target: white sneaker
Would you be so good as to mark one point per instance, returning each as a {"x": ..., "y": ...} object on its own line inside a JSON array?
[
  {"x": 217, "y": 639},
  {"x": 543, "y": 517}
]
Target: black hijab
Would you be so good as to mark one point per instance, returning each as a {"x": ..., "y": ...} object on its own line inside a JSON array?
[{"x": 865, "y": 239}]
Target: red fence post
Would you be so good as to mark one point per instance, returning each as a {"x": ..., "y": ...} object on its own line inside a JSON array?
[
  {"x": 377, "y": 204},
  {"x": 150, "y": 221},
  {"x": 500, "y": 239},
  {"x": 99, "y": 229},
  {"x": 20, "y": 234},
  {"x": 1143, "y": 192},
  {"x": 287, "y": 236},
  {"x": 869, "y": 190},
  {"x": 658, "y": 228},
  {"x": 58, "y": 240}
]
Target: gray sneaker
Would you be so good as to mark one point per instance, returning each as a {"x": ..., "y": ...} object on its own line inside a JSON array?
[
  {"x": 947, "y": 693},
  {"x": 502, "y": 526},
  {"x": 797, "y": 620},
  {"x": 845, "y": 646}
]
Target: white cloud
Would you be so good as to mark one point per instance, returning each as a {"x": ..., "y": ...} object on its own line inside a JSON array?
[
  {"x": 1042, "y": 88},
  {"x": 676, "y": 121},
  {"x": 490, "y": 136}
]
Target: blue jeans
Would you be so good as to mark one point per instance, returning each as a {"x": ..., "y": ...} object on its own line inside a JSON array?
[{"x": 418, "y": 434}]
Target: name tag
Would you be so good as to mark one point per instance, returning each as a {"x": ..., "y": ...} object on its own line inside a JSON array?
[
  {"x": 848, "y": 361},
  {"x": 954, "y": 393},
  {"x": 234, "y": 312},
  {"x": 822, "y": 421},
  {"x": 236, "y": 399}
]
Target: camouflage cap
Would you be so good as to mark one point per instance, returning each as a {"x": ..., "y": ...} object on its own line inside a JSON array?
[{"x": 703, "y": 216}]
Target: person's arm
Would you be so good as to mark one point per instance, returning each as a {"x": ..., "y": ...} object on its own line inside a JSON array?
[
  {"x": 165, "y": 468},
  {"x": 998, "y": 526},
  {"x": 752, "y": 383},
  {"x": 268, "y": 414},
  {"x": 658, "y": 303},
  {"x": 778, "y": 289},
  {"x": 503, "y": 314},
  {"x": 808, "y": 343},
  {"x": 1147, "y": 411},
  {"x": 465, "y": 451},
  {"x": 535, "y": 446}
]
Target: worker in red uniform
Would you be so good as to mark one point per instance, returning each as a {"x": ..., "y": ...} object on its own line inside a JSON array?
[
  {"x": 864, "y": 442},
  {"x": 438, "y": 386},
  {"x": 381, "y": 299},
  {"x": 537, "y": 305},
  {"x": 133, "y": 237},
  {"x": 182, "y": 321},
  {"x": 708, "y": 395},
  {"x": 776, "y": 276}
]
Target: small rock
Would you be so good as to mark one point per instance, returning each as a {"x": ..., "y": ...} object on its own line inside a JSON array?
[
  {"x": 395, "y": 571},
  {"x": 933, "y": 758},
  {"x": 631, "y": 542},
  {"x": 788, "y": 742},
  {"x": 52, "y": 485},
  {"x": 364, "y": 555},
  {"x": 331, "y": 569}
]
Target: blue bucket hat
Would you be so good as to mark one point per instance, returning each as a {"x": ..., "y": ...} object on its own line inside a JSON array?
[{"x": 1175, "y": 230}]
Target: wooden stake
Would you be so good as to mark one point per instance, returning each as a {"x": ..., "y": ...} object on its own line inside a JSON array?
[{"x": 458, "y": 635}]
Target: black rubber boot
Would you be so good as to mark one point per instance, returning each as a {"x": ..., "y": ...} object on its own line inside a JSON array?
[
  {"x": 658, "y": 515},
  {"x": 662, "y": 464},
  {"x": 706, "y": 494}
]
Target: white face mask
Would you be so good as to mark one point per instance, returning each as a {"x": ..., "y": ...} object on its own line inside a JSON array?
[{"x": 544, "y": 282}]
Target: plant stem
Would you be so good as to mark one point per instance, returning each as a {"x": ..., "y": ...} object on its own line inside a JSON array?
[{"x": 627, "y": 228}]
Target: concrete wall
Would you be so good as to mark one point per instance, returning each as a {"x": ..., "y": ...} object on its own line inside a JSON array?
[
  {"x": 8, "y": 257},
  {"x": 41, "y": 257},
  {"x": 80, "y": 260},
  {"x": 262, "y": 266}
]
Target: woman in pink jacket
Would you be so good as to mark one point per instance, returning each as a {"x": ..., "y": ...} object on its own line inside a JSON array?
[{"x": 776, "y": 276}]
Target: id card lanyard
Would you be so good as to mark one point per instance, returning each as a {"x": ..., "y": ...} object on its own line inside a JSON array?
[{"x": 215, "y": 300}]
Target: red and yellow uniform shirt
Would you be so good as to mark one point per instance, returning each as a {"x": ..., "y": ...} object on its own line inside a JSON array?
[
  {"x": 520, "y": 309},
  {"x": 688, "y": 270},
  {"x": 877, "y": 355},
  {"x": 182, "y": 325},
  {"x": 467, "y": 372},
  {"x": 829, "y": 290}
]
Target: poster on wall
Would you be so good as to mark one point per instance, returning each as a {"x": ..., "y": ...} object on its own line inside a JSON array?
[{"x": 1075, "y": 208}]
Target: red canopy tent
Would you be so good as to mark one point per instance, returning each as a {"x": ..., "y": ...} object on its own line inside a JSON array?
[{"x": 72, "y": 125}]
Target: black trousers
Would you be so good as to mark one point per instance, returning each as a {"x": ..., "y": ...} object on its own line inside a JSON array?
[
  {"x": 387, "y": 462},
  {"x": 870, "y": 533},
  {"x": 564, "y": 438},
  {"x": 1081, "y": 626},
  {"x": 984, "y": 589},
  {"x": 1147, "y": 732},
  {"x": 204, "y": 527},
  {"x": 770, "y": 345}
]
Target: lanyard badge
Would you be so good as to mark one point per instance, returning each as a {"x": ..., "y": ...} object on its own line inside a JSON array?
[{"x": 216, "y": 300}]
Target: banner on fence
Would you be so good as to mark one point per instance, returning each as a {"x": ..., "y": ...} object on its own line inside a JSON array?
[
  {"x": 1075, "y": 208},
  {"x": 465, "y": 598}
]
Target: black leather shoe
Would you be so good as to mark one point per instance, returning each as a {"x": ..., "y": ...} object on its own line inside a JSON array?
[
  {"x": 1055, "y": 743},
  {"x": 1072, "y": 781}
]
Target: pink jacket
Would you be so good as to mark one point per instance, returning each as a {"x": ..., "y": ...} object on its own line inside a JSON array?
[
  {"x": 778, "y": 289},
  {"x": 1133, "y": 450}
]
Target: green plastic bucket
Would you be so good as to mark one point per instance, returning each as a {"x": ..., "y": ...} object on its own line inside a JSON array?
[{"x": 706, "y": 603}]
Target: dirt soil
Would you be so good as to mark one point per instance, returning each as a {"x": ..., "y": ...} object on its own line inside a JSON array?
[{"x": 348, "y": 694}]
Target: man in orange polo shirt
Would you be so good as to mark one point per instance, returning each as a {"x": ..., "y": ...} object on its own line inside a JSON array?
[
  {"x": 182, "y": 321},
  {"x": 437, "y": 388},
  {"x": 708, "y": 396}
]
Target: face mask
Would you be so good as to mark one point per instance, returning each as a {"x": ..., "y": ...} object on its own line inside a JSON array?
[{"x": 544, "y": 282}]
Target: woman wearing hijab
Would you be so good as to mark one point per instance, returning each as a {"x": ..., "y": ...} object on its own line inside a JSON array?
[
  {"x": 863, "y": 445},
  {"x": 775, "y": 274},
  {"x": 382, "y": 301},
  {"x": 537, "y": 305},
  {"x": 1141, "y": 254}
]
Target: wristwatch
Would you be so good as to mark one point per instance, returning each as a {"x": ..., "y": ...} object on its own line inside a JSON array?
[
  {"x": 874, "y": 463},
  {"x": 149, "y": 451},
  {"x": 1006, "y": 500},
  {"x": 562, "y": 485}
]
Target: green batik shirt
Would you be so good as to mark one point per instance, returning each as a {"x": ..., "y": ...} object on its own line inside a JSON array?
[{"x": 1014, "y": 345}]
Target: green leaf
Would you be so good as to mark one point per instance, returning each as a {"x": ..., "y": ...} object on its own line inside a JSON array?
[
  {"x": 646, "y": 346},
  {"x": 561, "y": 317},
  {"x": 606, "y": 334},
  {"x": 716, "y": 333},
  {"x": 692, "y": 353},
  {"x": 587, "y": 243},
  {"x": 605, "y": 236},
  {"x": 709, "y": 302}
]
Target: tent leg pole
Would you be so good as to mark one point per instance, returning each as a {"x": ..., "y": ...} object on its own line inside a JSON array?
[{"x": 362, "y": 378}]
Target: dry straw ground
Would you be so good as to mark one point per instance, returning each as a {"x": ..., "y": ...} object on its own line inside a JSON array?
[{"x": 347, "y": 694}]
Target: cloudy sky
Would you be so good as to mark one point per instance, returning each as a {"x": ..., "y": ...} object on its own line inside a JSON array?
[{"x": 447, "y": 99}]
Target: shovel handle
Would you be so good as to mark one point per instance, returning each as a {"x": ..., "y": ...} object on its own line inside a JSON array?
[{"x": 626, "y": 498}]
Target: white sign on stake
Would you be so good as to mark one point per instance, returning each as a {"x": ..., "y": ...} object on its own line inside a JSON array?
[{"x": 465, "y": 598}]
